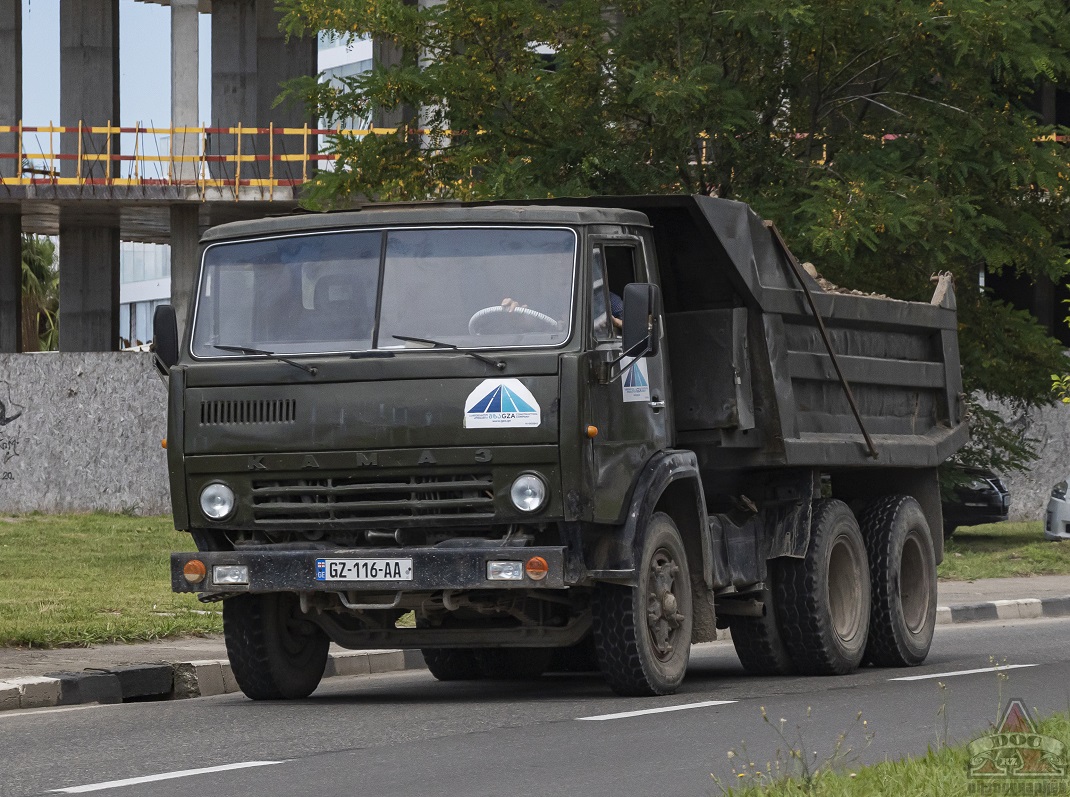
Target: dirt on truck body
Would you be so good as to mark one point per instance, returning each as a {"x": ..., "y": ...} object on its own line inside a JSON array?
[{"x": 561, "y": 434}]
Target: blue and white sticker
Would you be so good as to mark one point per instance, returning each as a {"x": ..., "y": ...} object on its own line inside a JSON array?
[
  {"x": 636, "y": 380},
  {"x": 501, "y": 403}
]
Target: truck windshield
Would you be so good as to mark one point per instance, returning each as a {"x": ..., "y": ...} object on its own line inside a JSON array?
[{"x": 471, "y": 288}]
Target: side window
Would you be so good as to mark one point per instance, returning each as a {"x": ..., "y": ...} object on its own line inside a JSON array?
[
  {"x": 603, "y": 330},
  {"x": 619, "y": 271}
]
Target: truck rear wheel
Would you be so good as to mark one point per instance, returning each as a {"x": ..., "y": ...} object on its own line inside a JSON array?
[
  {"x": 757, "y": 640},
  {"x": 825, "y": 596},
  {"x": 903, "y": 575},
  {"x": 452, "y": 664},
  {"x": 275, "y": 652},
  {"x": 642, "y": 634}
]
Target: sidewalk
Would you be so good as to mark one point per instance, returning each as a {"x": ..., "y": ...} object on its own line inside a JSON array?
[{"x": 196, "y": 667}]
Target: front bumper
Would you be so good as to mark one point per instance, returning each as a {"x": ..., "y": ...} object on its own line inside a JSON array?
[{"x": 432, "y": 569}]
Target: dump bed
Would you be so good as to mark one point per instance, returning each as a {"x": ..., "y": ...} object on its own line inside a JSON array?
[{"x": 754, "y": 376}]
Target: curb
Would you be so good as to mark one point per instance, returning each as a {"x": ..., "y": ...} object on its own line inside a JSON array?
[
  {"x": 177, "y": 681},
  {"x": 1020, "y": 609},
  {"x": 188, "y": 679}
]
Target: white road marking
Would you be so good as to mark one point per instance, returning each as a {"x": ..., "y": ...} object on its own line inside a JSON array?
[
  {"x": 961, "y": 672},
  {"x": 684, "y": 707},
  {"x": 184, "y": 773},
  {"x": 45, "y": 710}
]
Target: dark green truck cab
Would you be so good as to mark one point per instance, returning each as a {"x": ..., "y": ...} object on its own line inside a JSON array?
[{"x": 435, "y": 409}]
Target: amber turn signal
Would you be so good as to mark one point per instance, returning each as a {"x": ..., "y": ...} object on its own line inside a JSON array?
[
  {"x": 163, "y": 443},
  {"x": 592, "y": 432},
  {"x": 536, "y": 568},
  {"x": 194, "y": 571}
]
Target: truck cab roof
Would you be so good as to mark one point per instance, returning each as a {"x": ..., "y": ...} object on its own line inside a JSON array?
[{"x": 430, "y": 213}]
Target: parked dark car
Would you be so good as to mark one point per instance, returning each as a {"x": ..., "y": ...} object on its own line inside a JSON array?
[{"x": 981, "y": 497}]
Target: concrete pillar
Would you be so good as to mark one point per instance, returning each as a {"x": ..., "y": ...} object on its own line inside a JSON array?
[
  {"x": 250, "y": 59},
  {"x": 185, "y": 261},
  {"x": 10, "y": 282},
  {"x": 89, "y": 94},
  {"x": 233, "y": 78},
  {"x": 387, "y": 53},
  {"x": 185, "y": 58},
  {"x": 89, "y": 80},
  {"x": 88, "y": 288},
  {"x": 10, "y": 85},
  {"x": 279, "y": 60},
  {"x": 10, "y": 222}
]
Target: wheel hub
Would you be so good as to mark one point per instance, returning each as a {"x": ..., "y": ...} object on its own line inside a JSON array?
[{"x": 663, "y": 617}]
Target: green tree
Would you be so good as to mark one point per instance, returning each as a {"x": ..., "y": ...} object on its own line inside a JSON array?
[
  {"x": 40, "y": 294},
  {"x": 889, "y": 140}
]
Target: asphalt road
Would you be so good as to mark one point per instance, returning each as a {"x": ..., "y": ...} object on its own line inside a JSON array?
[{"x": 406, "y": 734}]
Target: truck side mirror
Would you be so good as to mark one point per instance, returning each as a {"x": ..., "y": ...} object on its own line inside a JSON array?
[
  {"x": 641, "y": 300},
  {"x": 165, "y": 337}
]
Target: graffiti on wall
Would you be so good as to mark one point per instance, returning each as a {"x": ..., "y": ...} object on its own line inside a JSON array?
[{"x": 10, "y": 412}]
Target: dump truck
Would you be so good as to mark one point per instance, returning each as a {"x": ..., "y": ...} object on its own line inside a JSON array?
[{"x": 523, "y": 436}]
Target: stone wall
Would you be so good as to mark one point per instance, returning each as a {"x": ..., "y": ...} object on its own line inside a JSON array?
[
  {"x": 81, "y": 432},
  {"x": 1049, "y": 427}
]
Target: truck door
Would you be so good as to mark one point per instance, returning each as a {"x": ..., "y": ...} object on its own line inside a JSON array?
[{"x": 631, "y": 412}]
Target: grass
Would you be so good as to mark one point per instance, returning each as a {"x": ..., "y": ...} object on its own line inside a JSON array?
[
  {"x": 70, "y": 580},
  {"x": 1000, "y": 550},
  {"x": 942, "y": 771}
]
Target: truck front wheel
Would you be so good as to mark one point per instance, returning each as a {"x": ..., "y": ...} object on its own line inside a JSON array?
[
  {"x": 903, "y": 574},
  {"x": 275, "y": 652},
  {"x": 825, "y": 596},
  {"x": 642, "y": 634}
]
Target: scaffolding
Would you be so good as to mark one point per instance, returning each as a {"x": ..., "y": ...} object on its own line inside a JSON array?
[{"x": 224, "y": 157}]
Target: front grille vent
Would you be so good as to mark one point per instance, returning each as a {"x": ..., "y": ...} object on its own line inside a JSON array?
[
  {"x": 214, "y": 413},
  {"x": 385, "y": 499}
]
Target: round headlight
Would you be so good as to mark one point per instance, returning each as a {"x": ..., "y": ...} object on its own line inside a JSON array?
[
  {"x": 217, "y": 501},
  {"x": 528, "y": 492}
]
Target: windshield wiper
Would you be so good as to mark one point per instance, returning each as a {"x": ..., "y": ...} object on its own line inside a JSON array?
[
  {"x": 248, "y": 350},
  {"x": 499, "y": 364}
]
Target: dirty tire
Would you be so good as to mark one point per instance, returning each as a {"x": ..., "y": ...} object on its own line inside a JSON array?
[
  {"x": 642, "y": 634},
  {"x": 274, "y": 652},
  {"x": 452, "y": 664},
  {"x": 902, "y": 567},
  {"x": 757, "y": 640},
  {"x": 824, "y": 598},
  {"x": 513, "y": 664}
]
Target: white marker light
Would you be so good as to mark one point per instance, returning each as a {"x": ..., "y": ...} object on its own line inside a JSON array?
[
  {"x": 230, "y": 574},
  {"x": 505, "y": 571}
]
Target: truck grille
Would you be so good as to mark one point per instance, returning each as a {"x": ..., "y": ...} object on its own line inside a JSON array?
[
  {"x": 248, "y": 411},
  {"x": 381, "y": 499}
]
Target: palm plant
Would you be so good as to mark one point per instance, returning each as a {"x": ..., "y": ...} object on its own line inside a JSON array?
[{"x": 40, "y": 294}]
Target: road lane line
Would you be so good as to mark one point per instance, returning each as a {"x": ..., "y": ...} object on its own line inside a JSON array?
[
  {"x": 962, "y": 672},
  {"x": 684, "y": 707},
  {"x": 183, "y": 773}
]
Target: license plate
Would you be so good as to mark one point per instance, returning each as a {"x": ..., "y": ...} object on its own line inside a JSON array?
[{"x": 364, "y": 570}]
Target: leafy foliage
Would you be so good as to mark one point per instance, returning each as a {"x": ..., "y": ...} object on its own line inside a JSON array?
[
  {"x": 40, "y": 294},
  {"x": 888, "y": 140}
]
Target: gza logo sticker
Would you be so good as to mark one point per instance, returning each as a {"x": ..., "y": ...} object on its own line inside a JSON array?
[
  {"x": 498, "y": 403},
  {"x": 636, "y": 381}
]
